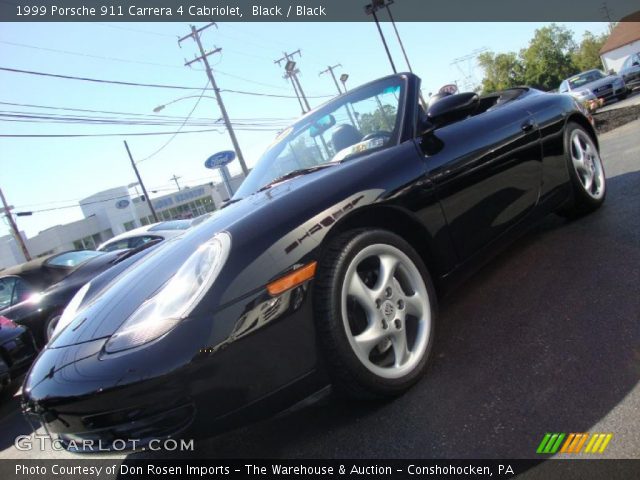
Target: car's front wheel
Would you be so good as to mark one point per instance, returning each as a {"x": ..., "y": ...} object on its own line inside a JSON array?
[
  {"x": 51, "y": 325},
  {"x": 586, "y": 173},
  {"x": 375, "y": 309}
]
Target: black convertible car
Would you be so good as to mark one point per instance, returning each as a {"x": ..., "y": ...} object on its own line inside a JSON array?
[
  {"x": 35, "y": 294},
  {"x": 325, "y": 267}
]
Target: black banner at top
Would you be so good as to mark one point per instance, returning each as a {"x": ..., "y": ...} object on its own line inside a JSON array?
[{"x": 316, "y": 10}]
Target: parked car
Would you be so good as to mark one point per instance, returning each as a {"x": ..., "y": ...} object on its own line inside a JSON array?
[
  {"x": 5, "y": 375},
  {"x": 630, "y": 71},
  {"x": 139, "y": 236},
  {"x": 35, "y": 293},
  {"x": 17, "y": 350},
  {"x": 325, "y": 268},
  {"x": 594, "y": 85}
]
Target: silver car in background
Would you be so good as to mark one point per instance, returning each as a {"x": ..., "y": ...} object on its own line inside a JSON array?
[
  {"x": 594, "y": 85},
  {"x": 630, "y": 71}
]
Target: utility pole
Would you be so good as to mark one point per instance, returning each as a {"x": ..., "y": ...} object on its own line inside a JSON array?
[
  {"x": 14, "y": 228},
  {"x": 606, "y": 11},
  {"x": 195, "y": 34},
  {"x": 395, "y": 28},
  {"x": 371, "y": 10},
  {"x": 144, "y": 190},
  {"x": 335, "y": 81},
  {"x": 175, "y": 179},
  {"x": 291, "y": 72},
  {"x": 333, "y": 75}
]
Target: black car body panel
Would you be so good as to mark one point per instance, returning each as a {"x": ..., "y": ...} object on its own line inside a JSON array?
[
  {"x": 17, "y": 347},
  {"x": 59, "y": 287},
  {"x": 456, "y": 192}
]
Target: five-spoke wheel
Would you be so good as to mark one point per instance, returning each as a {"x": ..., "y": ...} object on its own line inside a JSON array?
[
  {"x": 586, "y": 173},
  {"x": 375, "y": 313}
]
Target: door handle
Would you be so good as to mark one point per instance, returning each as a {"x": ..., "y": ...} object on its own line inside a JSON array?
[{"x": 528, "y": 125}]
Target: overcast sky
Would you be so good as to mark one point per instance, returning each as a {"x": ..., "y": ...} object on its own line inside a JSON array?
[{"x": 54, "y": 173}]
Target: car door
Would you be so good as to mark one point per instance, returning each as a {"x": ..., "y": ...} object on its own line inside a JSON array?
[{"x": 487, "y": 173}]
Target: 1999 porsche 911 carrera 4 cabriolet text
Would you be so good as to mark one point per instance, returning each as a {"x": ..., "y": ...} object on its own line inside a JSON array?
[{"x": 323, "y": 269}]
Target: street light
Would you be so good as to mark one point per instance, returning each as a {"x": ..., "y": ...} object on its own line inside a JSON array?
[
  {"x": 343, "y": 78},
  {"x": 159, "y": 108}
]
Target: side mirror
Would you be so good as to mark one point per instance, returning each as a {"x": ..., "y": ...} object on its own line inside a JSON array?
[{"x": 451, "y": 109}]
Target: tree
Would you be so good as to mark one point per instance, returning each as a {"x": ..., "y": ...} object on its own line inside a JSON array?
[
  {"x": 502, "y": 70},
  {"x": 548, "y": 58},
  {"x": 381, "y": 119},
  {"x": 587, "y": 55}
]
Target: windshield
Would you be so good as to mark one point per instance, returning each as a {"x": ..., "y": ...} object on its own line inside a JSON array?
[
  {"x": 72, "y": 259},
  {"x": 584, "y": 78},
  {"x": 359, "y": 121}
]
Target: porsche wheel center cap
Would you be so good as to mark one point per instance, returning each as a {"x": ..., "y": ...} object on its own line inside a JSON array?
[{"x": 388, "y": 309}]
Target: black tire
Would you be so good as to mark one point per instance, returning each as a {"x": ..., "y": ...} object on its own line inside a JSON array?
[
  {"x": 624, "y": 95},
  {"x": 581, "y": 201},
  {"x": 349, "y": 374}
]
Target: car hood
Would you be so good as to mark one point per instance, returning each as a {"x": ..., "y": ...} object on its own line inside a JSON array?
[
  {"x": 598, "y": 83},
  {"x": 118, "y": 299}
]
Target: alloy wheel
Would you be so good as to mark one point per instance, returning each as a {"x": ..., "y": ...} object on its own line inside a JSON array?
[
  {"x": 386, "y": 311},
  {"x": 587, "y": 164}
]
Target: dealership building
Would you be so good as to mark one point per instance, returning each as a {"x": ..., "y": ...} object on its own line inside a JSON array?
[{"x": 113, "y": 212}]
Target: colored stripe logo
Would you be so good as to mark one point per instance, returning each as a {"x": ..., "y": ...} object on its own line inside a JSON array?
[{"x": 574, "y": 443}]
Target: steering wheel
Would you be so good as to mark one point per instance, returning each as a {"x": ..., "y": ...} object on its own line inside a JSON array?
[{"x": 377, "y": 133}]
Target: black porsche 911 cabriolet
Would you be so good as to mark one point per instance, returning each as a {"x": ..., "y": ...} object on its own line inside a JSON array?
[{"x": 325, "y": 267}]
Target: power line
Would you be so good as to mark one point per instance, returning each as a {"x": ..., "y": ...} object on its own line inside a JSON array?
[
  {"x": 146, "y": 32},
  {"x": 131, "y": 61},
  {"x": 138, "y": 84},
  {"x": 111, "y": 112},
  {"x": 204, "y": 58},
  {"x": 180, "y": 128},
  {"x": 88, "y": 55},
  {"x": 76, "y": 135}
]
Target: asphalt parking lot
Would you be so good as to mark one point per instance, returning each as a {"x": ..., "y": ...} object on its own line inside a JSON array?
[{"x": 546, "y": 338}]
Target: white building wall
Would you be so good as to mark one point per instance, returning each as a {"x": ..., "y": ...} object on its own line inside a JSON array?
[
  {"x": 615, "y": 58},
  {"x": 113, "y": 208},
  {"x": 61, "y": 237},
  {"x": 10, "y": 252}
]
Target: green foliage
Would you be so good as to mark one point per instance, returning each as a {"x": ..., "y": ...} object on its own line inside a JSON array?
[
  {"x": 547, "y": 59},
  {"x": 381, "y": 119},
  {"x": 551, "y": 56},
  {"x": 502, "y": 70},
  {"x": 587, "y": 55}
]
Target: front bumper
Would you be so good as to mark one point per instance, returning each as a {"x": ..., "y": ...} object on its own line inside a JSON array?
[
  {"x": 632, "y": 80},
  {"x": 18, "y": 351},
  {"x": 610, "y": 92},
  {"x": 191, "y": 380}
]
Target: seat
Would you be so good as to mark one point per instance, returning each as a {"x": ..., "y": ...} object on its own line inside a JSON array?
[{"x": 344, "y": 136}]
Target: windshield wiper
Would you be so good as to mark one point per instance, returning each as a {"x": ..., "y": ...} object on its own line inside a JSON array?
[{"x": 296, "y": 173}]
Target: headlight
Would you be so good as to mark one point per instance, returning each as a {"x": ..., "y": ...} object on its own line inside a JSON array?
[
  {"x": 176, "y": 299},
  {"x": 584, "y": 93},
  {"x": 70, "y": 311}
]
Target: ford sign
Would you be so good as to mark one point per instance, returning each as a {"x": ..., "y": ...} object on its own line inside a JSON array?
[
  {"x": 220, "y": 159},
  {"x": 124, "y": 203}
]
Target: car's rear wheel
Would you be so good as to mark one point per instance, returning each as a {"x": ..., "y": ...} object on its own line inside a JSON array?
[
  {"x": 586, "y": 172},
  {"x": 375, "y": 309}
]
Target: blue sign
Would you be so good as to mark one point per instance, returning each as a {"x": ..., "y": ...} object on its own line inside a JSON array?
[
  {"x": 124, "y": 203},
  {"x": 220, "y": 159}
]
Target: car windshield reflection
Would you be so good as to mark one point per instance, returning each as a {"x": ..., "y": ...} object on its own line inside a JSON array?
[{"x": 353, "y": 123}]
